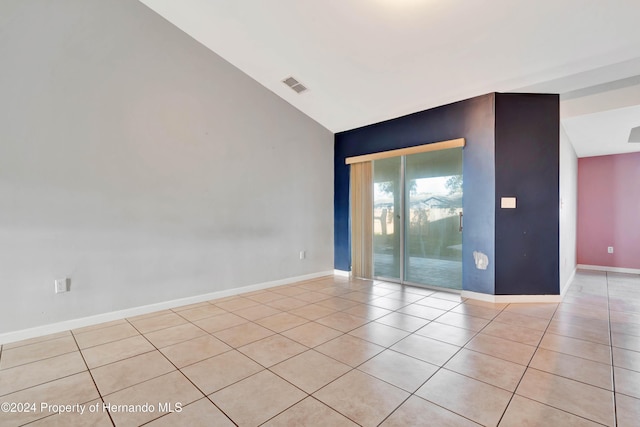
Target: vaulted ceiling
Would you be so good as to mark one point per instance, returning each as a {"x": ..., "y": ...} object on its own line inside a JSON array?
[{"x": 364, "y": 61}]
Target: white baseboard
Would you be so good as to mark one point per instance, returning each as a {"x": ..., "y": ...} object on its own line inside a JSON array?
[
  {"x": 610, "y": 269},
  {"x": 66, "y": 325},
  {"x": 342, "y": 273},
  {"x": 568, "y": 283},
  {"x": 509, "y": 299}
]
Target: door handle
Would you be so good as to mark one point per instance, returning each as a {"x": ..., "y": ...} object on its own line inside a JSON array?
[{"x": 460, "y": 229}]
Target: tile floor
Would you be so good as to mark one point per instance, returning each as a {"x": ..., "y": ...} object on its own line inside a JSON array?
[
  {"x": 333, "y": 352},
  {"x": 442, "y": 273}
]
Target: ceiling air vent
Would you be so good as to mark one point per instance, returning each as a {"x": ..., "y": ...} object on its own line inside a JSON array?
[
  {"x": 294, "y": 84},
  {"x": 634, "y": 136}
]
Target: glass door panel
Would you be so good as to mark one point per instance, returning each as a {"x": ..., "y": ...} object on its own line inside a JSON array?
[
  {"x": 387, "y": 228},
  {"x": 433, "y": 219}
]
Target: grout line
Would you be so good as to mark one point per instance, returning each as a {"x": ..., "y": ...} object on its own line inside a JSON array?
[
  {"x": 185, "y": 376},
  {"x": 36, "y": 340},
  {"x": 42, "y": 383},
  {"x": 364, "y": 289},
  {"x": 106, "y": 342},
  {"x": 236, "y": 349},
  {"x": 36, "y": 361},
  {"x": 98, "y": 327},
  {"x": 528, "y": 364},
  {"x": 92, "y": 379},
  {"x": 441, "y": 367},
  {"x": 183, "y": 408},
  {"x": 219, "y": 408},
  {"x": 613, "y": 370},
  {"x": 571, "y": 379},
  {"x": 352, "y": 368}
]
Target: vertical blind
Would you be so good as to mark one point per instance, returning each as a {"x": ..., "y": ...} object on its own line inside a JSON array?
[{"x": 361, "y": 191}]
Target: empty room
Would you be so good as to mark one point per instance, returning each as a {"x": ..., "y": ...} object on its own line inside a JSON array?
[{"x": 285, "y": 213}]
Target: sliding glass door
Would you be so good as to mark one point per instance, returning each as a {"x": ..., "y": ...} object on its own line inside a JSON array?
[
  {"x": 417, "y": 218},
  {"x": 433, "y": 219},
  {"x": 387, "y": 215}
]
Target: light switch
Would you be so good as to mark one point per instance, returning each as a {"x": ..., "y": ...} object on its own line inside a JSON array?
[{"x": 508, "y": 202}]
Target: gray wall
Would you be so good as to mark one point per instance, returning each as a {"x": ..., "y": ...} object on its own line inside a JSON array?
[
  {"x": 568, "y": 208},
  {"x": 144, "y": 166}
]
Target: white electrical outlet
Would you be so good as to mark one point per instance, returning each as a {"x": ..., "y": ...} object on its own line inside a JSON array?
[
  {"x": 303, "y": 254},
  {"x": 610, "y": 249},
  {"x": 62, "y": 285}
]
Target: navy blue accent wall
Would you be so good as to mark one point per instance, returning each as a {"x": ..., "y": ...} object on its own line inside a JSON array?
[
  {"x": 527, "y": 141},
  {"x": 473, "y": 120}
]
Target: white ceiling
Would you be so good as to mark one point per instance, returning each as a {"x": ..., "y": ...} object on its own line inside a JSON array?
[
  {"x": 365, "y": 61},
  {"x": 604, "y": 133}
]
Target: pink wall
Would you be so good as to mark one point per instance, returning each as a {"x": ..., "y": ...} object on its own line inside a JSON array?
[{"x": 609, "y": 210}]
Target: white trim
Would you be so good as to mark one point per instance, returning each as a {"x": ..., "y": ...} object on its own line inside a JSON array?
[
  {"x": 611, "y": 269},
  {"x": 66, "y": 325},
  {"x": 342, "y": 273},
  {"x": 508, "y": 299},
  {"x": 568, "y": 283}
]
